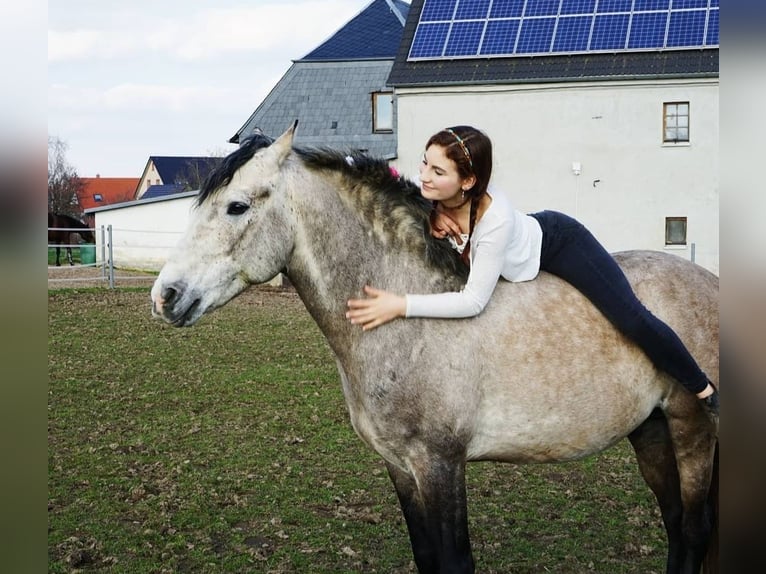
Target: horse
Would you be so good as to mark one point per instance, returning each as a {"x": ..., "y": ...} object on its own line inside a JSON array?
[
  {"x": 539, "y": 376},
  {"x": 60, "y": 230}
]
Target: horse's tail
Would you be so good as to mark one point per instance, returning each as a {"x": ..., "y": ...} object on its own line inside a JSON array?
[{"x": 710, "y": 564}]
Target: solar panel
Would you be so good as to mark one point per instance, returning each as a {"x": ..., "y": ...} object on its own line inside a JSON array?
[{"x": 495, "y": 28}]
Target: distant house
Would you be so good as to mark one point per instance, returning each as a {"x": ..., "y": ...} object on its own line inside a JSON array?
[
  {"x": 608, "y": 113},
  {"x": 165, "y": 175},
  {"x": 338, "y": 91},
  {"x": 100, "y": 191}
]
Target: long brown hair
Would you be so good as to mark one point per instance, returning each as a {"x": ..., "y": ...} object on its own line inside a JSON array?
[{"x": 471, "y": 150}]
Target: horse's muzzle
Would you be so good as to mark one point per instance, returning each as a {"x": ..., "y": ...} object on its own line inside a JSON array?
[{"x": 176, "y": 304}]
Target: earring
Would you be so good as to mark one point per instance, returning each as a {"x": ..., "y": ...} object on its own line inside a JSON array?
[{"x": 462, "y": 195}]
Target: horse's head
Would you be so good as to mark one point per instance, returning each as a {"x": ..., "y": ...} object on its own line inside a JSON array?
[
  {"x": 240, "y": 206},
  {"x": 88, "y": 236}
]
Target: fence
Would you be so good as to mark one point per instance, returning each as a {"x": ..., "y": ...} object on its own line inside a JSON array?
[
  {"x": 118, "y": 255},
  {"x": 121, "y": 255}
]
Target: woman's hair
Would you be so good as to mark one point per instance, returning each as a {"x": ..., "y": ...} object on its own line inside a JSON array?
[{"x": 471, "y": 150}]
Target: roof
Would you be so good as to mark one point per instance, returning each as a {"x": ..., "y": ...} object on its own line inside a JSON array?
[
  {"x": 372, "y": 34},
  {"x": 162, "y": 190},
  {"x": 332, "y": 103},
  {"x": 98, "y": 191},
  {"x": 141, "y": 202},
  {"x": 554, "y": 68},
  {"x": 330, "y": 90},
  {"x": 179, "y": 169}
]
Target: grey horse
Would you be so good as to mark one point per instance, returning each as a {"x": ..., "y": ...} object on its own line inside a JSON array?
[{"x": 539, "y": 376}]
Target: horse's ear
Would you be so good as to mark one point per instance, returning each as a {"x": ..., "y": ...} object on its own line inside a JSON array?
[{"x": 284, "y": 143}]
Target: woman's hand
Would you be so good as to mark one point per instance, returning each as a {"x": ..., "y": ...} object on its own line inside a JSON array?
[
  {"x": 378, "y": 308},
  {"x": 443, "y": 225}
]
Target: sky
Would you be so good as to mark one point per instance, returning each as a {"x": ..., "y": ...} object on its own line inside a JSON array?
[{"x": 128, "y": 80}]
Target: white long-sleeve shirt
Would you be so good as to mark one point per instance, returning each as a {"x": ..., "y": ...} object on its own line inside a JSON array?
[{"x": 505, "y": 243}]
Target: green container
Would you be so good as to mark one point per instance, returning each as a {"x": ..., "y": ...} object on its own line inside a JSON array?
[{"x": 87, "y": 253}]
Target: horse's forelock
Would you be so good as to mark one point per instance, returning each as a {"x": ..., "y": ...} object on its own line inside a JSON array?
[{"x": 222, "y": 174}]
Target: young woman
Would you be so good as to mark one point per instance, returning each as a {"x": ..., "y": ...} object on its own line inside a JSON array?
[{"x": 496, "y": 240}]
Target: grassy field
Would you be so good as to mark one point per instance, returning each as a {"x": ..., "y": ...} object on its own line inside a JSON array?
[
  {"x": 227, "y": 448},
  {"x": 62, "y": 256}
]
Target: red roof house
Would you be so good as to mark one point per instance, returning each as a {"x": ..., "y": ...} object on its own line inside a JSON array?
[{"x": 99, "y": 191}]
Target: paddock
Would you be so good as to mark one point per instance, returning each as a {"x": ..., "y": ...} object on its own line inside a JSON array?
[{"x": 184, "y": 450}]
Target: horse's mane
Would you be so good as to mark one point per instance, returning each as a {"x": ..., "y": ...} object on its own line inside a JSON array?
[
  {"x": 222, "y": 174},
  {"x": 393, "y": 205}
]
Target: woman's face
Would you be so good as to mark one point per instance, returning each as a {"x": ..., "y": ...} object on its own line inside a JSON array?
[{"x": 439, "y": 178}]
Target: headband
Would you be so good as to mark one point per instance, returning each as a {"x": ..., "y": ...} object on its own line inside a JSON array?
[{"x": 462, "y": 146}]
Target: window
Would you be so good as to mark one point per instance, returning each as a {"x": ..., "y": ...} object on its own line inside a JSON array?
[
  {"x": 675, "y": 231},
  {"x": 382, "y": 112},
  {"x": 98, "y": 197},
  {"x": 675, "y": 122}
]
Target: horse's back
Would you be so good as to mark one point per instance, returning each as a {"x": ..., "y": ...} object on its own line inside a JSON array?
[
  {"x": 557, "y": 381},
  {"x": 682, "y": 294}
]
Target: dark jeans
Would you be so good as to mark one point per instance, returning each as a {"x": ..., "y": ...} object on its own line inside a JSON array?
[{"x": 571, "y": 252}]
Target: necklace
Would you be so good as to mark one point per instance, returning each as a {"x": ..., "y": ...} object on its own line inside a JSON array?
[{"x": 458, "y": 206}]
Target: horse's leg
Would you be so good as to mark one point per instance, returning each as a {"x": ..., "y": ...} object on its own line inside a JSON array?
[
  {"x": 69, "y": 255},
  {"x": 435, "y": 508},
  {"x": 58, "y": 256},
  {"x": 694, "y": 437},
  {"x": 710, "y": 564},
  {"x": 657, "y": 463}
]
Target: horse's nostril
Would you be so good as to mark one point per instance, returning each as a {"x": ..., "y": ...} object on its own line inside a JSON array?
[{"x": 169, "y": 294}]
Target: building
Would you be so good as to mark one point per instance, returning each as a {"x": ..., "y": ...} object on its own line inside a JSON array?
[
  {"x": 167, "y": 175},
  {"x": 610, "y": 117},
  {"x": 338, "y": 91},
  {"x": 100, "y": 191}
]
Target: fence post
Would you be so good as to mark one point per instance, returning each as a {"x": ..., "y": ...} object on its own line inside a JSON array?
[
  {"x": 103, "y": 252},
  {"x": 111, "y": 258},
  {"x": 694, "y": 252}
]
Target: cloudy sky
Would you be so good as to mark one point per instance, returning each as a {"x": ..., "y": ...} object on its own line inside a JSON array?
[{"x": 127, "y": 80}]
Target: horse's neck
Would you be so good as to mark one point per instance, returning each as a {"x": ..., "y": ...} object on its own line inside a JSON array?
[{"x": 333, "y": 260}]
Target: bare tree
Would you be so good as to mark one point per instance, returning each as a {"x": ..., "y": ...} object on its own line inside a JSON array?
[
  {"x": 63, "y": 181},
  {"x": 195, "y": 171}
]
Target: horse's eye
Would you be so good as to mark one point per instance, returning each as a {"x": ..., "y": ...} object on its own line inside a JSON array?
[{"x": 237, "y": 208}]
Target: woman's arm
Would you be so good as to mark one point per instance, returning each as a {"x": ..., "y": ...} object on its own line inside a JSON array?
[
  {"x": 378, "y": 308},
  {"x": 382, "y": 306},
  {"x": 488, "y": 256}
]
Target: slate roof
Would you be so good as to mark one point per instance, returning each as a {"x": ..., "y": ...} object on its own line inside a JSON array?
[
  {"x": 99, "y": 191},
  {"x": 558, "y": 68},
  {"x": 329, "y": 91},
  {"x": 162, "y": 190},
  {"x": 370, "y": 35},
  {"x": 176, "y": 169}
]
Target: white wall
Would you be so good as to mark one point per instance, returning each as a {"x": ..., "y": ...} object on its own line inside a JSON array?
[
  {"x": 144, "y": 232},
  {"x": 613, "y": 129}
]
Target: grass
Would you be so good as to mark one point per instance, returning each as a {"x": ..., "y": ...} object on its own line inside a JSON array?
[
  {"x": 62, "y": 257},
  {"x": 227, "y": 448}
]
